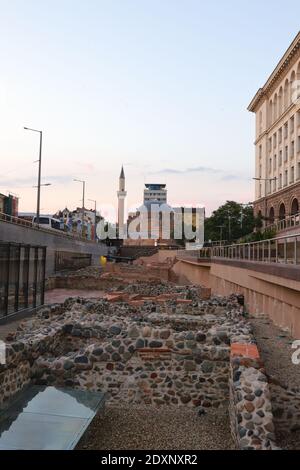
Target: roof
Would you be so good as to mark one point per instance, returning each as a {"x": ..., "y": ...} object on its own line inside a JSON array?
[
  {"x": 122, "y": 175},
  {"x": 155, "y": 186},
  {"x": 282, "y": 65}
]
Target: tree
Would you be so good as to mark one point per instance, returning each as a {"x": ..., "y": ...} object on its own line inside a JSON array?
[{"x": 233, "y": 220}]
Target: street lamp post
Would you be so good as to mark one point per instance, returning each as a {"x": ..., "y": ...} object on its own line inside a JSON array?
[
  {"x": 39, "y": 174},
  {"x": 95, "y": 202},
  {"x": 229, "y": 225},
  {"x": 221, "y": 232},
  {"x": 83, "y": 195}
]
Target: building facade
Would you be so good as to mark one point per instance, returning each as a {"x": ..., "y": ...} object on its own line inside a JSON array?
[
  {"x": 155, "y": 193},
  {"x": 9, "y": 204},
  {"x": 277, "y": 145}
]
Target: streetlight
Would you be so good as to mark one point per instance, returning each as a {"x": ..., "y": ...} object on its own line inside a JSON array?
[
  {"x": 95, "y": 202},
  {"x": 221, "y": 231},
  {"x": 244, "y": 206},
  {"x": 265, "y": 180},
  {"x": 39, "y": 174},
  {"x": 83, "y": 194},
  {"x": 229, "y": 224}
]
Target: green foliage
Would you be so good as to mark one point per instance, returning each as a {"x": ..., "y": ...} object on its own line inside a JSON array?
[
  {"x": 237, "y": 220},
  {"x": 259, "y": 236}
]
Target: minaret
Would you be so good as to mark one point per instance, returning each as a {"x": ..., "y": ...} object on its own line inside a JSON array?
[{"x": 121, "y": 202}]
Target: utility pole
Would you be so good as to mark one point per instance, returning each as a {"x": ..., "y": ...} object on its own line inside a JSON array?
[
  {"x": 221, "y": 233},
  {"x": 39, "y": 175},
  {"x": 95, "y": 202},
  {"x": 83, "y": 196}
]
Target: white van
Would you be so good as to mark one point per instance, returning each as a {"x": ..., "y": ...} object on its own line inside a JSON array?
[{"x": 48, "y": 222}]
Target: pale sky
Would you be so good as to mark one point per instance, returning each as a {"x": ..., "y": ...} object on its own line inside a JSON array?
[{"x": 161, "y": 86}]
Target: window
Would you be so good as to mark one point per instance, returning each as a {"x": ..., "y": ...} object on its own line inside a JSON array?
[
  {"x": 275, "y": 140},
  {"x": 259, "y": 192},
  {"x": 280, "y": 135},
  {"x": 285, "y": 177},
  {"x": 292, "y": 124},
  {"x": 286, "y": 128},
  {"x": 286, "y": 153},
  {"x": 292, "y": 175},
  {"x": 270, "y": 144},
  {"x": 270, "y": 165},
  {"x": 260, "y": 151},
  {"x": 275, "y": 163},
  {"x": 43, "y": 220},
  {"x": 280, "y": 158},
  {"x": 55, "y": 224},
  {"x": 280, "y": 181},
  {"x": 292, "y": 149},
  {"x": 260, "y": 171}
]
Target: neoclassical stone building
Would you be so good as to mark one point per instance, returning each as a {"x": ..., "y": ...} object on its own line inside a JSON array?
[{"x": 277, "y": 168}]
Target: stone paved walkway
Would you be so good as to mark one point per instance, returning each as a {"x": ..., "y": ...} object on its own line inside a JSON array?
[{"x": 60, "y": 295}]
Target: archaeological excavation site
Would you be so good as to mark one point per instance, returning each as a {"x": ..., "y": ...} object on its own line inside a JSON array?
[{"x": 178, "y": 366}]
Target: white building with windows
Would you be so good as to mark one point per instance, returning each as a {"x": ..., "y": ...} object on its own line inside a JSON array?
[
  {"x": 277, "y": 162},
  {"x": 155, "y": 194}
]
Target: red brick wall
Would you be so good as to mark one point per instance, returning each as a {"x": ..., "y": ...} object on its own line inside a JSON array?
[{"x": 285, "y": 196}]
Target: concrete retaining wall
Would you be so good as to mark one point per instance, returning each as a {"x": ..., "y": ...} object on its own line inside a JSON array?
[
  {"x": 54, "y": 241},
  {"x": 270, "y": 290}
]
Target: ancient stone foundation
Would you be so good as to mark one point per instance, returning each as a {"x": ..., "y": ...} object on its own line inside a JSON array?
[
  {"x": 150, "y": 343},
  {"x": 250, "y": 404}
]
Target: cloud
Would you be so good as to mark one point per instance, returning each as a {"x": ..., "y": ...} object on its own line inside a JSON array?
[
  {"x": 203, "y": 169},
  {"x": 223, "y": 175},
  {"x": 30, "y": 181}
]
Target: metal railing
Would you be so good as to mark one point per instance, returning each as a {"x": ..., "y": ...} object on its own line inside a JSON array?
[
  {"x": 22, "y": 277},
  {"x": 15, "y": 220},
  {"x": 288, "y": 222},
  {"x": 281, "y": 250},
  {"x": 26, "y": 223}
]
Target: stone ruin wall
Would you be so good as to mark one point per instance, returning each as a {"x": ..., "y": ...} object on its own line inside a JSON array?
[
  {"x": 161, "y": 352},
  {"x": 286, "y": 408}
]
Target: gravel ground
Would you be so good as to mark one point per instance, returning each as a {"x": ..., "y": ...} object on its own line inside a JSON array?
[
  {"x": 275, "y": 347},
  {"x": 132, "y": 427},
  {"x": 289, "y": 441},
  {"x": 10, "y": 327}
]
